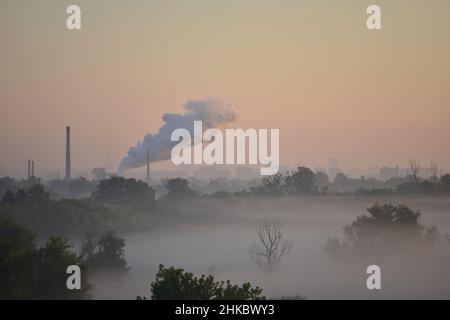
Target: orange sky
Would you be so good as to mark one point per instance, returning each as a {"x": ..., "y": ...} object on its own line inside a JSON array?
[{"x": 307, "y": 67}]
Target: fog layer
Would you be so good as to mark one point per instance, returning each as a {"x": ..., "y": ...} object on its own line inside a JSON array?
[{"x": 213, "y": 236}]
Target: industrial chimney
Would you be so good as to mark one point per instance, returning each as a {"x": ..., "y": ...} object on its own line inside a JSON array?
[
  {"x": 68, "y": 164},
  {"x": 32, "y": 169},
  {"x": 29, "y": 168}
]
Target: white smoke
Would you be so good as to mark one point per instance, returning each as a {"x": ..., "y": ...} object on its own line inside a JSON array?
[{"x": 211, "y": 111}]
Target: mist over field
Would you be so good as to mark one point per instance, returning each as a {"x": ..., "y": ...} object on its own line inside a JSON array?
[
  {"x": 206, "y": 235},
  {"x": 293, "y": 235},
  {"x": 224, "y": 150}
]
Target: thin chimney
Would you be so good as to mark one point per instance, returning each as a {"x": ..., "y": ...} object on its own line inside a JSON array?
[
  {"x": 29, "y": 168},
  {"x": 68, "y": 162},
  {"x": 32, "y": 169}
]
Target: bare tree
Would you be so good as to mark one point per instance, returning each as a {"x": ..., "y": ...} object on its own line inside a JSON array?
[
  {"x": 414, "y": 165},
  {"x": 270, "y": 246},
  {"x": 434, "y": 171}
]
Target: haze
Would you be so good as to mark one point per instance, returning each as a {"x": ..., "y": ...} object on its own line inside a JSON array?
[
  {"x": 309, "y": 68},
  {"x": 212, "y": 237}
]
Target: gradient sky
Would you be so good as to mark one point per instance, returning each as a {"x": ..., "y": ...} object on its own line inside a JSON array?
[{"x": 308, "y": 67}]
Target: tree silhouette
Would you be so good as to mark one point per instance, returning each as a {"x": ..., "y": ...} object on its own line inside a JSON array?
[
  {"x": 301, "y": 181},
  {"x": 270, "y": 247},
  {"x": 176, "y": 284},
  {"x": 125, "y": 192},
  {"x": 106, "y": 254},
  {"x": 178, "y": 188},
  {"x": 54, "y": 258},
  {"x": 28, "y": 272},
  {"x": 414, "y": 166},
  {"x": 387, "y": 228}
]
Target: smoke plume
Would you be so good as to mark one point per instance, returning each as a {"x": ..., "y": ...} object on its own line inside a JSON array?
[{"x": 211, "y": 111}]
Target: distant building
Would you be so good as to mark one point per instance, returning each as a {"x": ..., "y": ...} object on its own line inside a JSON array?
[
  {"x": 333, "y": 168},
  {"x": 99, "y": 173},
  {"x": 333, "y": 172},
  {"x": 387, "y": 173},
  {"x": 333, "y": 163},
  {"x": 372, "y": 172}
]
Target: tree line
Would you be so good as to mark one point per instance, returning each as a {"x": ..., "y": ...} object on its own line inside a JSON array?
[{"x": 30, "y": 271}]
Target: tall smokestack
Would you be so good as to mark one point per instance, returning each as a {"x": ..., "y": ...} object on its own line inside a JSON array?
[
  {"x": 68, "y": 164},
  {"x": 29, "y": 168},
  {"x": 148, "y": 167},
  {"x": 32, "y": 169}
]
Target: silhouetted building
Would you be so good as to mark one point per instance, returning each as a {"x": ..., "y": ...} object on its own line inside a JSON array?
[
  {"x": 387, "y": 173},
  {"x": 333, "y": 168}
]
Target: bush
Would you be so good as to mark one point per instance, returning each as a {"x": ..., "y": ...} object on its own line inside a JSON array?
[
  {"x": 106, "y": 253},
  {"x": 175, "y": 284},
  {"x": 387, "y": 228},
  {"x": 122, "y": 192},
  {"x": 54, "y": 258},
  {"x": 18, "y": 260},
  {"x": 178, "y": 188},
  {"x": 28, "y": 272}
]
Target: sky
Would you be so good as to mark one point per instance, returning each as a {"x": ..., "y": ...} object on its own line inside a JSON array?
[{"x": 309, "y": 68}]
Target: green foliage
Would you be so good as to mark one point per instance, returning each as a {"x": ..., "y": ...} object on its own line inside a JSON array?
[
  {"x": 445, "y": 180},
  {"x": 303, "y": 181},
  {"x": 44, "y": 216},
  {"x": 7, "y": 183},
  {"x": 299, "y": 182},
  {"x": 273, "y": 185},
  {"x": 18, "y": 260},
  {"x": 387, "y": 228},
  {"x": 293, "y": 297},
  {"x": 178, "y": 188},
  {"x": 374, "y": 192},
  {"x": 73, "y": 189},
  {"x": 68, "y": 217},
  {"x": 54, "y": 258},
  {"x": 8, "y": 198},
  {"x": 28, "y": 272},
  {"x": 119, "y": 191},
  {"x": 409, "y": 185},
  {"x": 426, "y": 187},
  {"x": 173, "y": 284},
  {"x": 36, "y": 194},
  {"x": 105, "y": 254}
]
